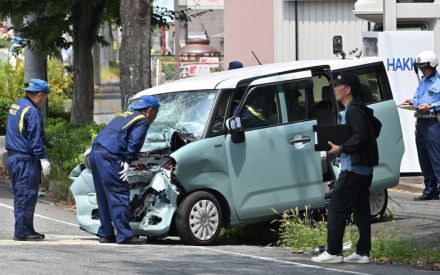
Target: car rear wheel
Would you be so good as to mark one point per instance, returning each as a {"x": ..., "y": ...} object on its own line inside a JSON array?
[
  {"x": 199, "y": 219},
  {"x": 378, "y": 203}
]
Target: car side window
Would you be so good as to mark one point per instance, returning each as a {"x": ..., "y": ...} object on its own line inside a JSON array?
[
  {"x": 323, "y": 96},
  {"x": 374, "y": 85},
  {"x": 219, "y": 115},
  {"x": 261, "y": 108},
  {"x": 296, "y": 102},
  {"x": 298, "y": 97}
]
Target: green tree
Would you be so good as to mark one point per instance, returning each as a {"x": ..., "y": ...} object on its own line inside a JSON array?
[{"x": 58, "y": 19}]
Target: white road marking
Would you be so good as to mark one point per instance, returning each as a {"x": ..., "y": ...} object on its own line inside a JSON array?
[
  {"x": 280, "y": 261},
  {"x": 78, "y": 240},
  {"x": 41, "y": 216}
]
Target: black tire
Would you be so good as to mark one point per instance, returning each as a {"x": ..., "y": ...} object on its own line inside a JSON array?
[
  {"x": 378, "y": 203},
  {"x": 210, "y": 222}
]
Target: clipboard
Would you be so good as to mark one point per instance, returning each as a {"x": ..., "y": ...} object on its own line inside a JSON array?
[
  {"x": 409, "y": 107},
  {"x": 336, "y": 133}
]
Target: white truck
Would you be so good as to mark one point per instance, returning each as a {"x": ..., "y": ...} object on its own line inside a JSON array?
[{"x": 418, "y": 29}]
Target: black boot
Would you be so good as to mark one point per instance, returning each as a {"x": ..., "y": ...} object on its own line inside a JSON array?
[
  {"x": 134, "y": 240},
  {"x": 32, "y": 237}
]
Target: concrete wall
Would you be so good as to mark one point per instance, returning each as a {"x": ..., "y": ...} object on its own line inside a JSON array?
[{"x": 249, "y": 25}]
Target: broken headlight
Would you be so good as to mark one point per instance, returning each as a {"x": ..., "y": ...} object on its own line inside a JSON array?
[{"x": 86, "y": 159}]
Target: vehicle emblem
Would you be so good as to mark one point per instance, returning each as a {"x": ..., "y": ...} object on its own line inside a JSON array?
[{"x": 339, "y": 77}]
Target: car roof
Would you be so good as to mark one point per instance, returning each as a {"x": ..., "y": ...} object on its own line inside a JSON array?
[{"x": 230, "y": 79}]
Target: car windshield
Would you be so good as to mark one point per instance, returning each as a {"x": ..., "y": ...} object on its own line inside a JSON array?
[{"x": 186, "y": 112}]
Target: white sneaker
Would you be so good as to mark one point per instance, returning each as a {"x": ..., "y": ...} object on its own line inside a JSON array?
[
  {"x": 327, "y": 258},
  {"x": 356, "y": 258}
]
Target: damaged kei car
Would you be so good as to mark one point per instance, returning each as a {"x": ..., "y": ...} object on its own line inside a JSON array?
[{"x": 206, "y": 165}]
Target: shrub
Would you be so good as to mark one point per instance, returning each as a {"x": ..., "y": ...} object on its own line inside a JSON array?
[
  {"x": 70, "y": 142},
  {"x": 61, "y": 85},
  {"x": 302, "y": 233},
  {"x": 12, "y": 81}
]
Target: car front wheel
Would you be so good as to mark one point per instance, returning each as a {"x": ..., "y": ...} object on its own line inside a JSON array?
[
  {"x": 378, "y": 203},
  {"x": 199, "y": 219}
]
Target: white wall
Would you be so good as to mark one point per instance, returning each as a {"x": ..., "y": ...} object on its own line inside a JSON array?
[{"x": 318, "y": 22}]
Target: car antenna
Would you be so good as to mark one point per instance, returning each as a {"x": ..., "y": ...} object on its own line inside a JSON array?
[{"x": 256, "y": 57}]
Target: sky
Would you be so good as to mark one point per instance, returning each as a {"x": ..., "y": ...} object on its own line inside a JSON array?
[{"x": 169, "y": 4}]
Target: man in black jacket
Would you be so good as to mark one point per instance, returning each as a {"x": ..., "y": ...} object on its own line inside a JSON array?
[{"x": 351, "y": 194}]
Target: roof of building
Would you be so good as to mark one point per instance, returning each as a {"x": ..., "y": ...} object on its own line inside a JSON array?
[{"x": 230, "y": 79}]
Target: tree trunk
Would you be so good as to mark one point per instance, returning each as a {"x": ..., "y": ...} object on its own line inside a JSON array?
[
  {"x": 135, "y": 47},
  {"x": 86, "y": 18}
]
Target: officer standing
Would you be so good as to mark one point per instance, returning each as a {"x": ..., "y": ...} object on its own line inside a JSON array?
[
  {"x": 351, "y": 194},
  {"x": 113, "y": 150},
  {"x": 427, "y": 103},
  {"x": 26, "y": 156}
]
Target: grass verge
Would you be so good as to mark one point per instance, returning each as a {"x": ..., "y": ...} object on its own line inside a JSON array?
[
  {"x": 303, "y": 233},
  {"x": 390, "y": 248}
]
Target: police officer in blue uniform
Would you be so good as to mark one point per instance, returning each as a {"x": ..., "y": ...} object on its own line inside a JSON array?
[
  {"x": 113, "y": 150},
  {"x": 427, "y": 103},
  {"x": 26, "y": 156}
]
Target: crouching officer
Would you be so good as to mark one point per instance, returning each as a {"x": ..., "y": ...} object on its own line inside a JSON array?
[
  {"x": 26, "y": 157},
  {"x": 427, "y": 103},
  {"x": 113, "y": 150}
]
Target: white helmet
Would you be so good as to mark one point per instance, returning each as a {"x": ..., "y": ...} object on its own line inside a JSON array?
[{"x": 426, "y": 58}]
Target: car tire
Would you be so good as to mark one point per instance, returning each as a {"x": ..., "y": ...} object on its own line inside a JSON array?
[
  {"x": 199, "y": 219},
  {"x": 378, "y": 203}
]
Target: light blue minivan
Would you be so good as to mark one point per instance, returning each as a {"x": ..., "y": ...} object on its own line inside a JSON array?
[{"x": 195, "y": 176}]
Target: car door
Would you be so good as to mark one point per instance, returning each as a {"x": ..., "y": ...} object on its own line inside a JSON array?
[
  {"x": 375, "y": 91},
  {"x": 276, "y": 166}
]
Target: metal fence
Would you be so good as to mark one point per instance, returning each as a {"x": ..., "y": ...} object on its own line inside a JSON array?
[{"x": 163, "y": 71}]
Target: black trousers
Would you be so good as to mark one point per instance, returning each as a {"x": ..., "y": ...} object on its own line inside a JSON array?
[{"x": 351, "y": 195}]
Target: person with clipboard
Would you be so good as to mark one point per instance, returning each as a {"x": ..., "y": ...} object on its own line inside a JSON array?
[
  {"x": 358, "y": 155},
  {"x": 426, "y": 103}
]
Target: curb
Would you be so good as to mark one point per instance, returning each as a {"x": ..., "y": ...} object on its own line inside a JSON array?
[{"x": 410, "y": 184}]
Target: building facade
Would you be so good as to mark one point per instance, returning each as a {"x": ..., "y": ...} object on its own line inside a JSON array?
[{"x": 284, "y": 30}]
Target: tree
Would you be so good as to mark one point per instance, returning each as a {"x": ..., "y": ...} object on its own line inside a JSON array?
[
  {"x": 58, "y": 19},
  {"x": 134, "y": 57},
  {"x": 138, "y": 19},
  {"x": 80, "y": 19},
  {"x": 86, "y": 17}
]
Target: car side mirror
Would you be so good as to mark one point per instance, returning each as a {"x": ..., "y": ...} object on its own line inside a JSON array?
[{"x": 236, "y": 129}]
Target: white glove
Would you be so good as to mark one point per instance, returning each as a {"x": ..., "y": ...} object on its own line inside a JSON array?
[
  {"x": 45, "y": 167},
  {"x": 124, "y": 173}
]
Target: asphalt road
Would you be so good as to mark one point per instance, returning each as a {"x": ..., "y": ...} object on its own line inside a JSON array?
[
  {"x": 107, "y": 103},
  {"x": 68, "y": 250}
]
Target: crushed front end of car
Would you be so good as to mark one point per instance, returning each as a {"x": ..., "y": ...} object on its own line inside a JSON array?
[{"x": 153, "y": 196}]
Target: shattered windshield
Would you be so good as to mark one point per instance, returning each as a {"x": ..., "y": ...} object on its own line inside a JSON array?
[{"x": 186, "y": 112}]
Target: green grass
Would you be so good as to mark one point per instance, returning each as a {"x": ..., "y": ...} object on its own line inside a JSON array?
[
  {"x": 304, "y": 231},
  {"x": 303, "y": 234},
  {"x": 390, "y": 248},
  {"x": 111, "y": 73}
]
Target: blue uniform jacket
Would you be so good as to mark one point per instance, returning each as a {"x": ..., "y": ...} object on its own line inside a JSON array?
[
  {"x": 428, "y": 92},
  {"x": 24, "y": 130},
  {"x": 124, "y": 135}
]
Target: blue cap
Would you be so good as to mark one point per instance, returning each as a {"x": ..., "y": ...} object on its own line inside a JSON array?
[
  {"x": 235, "y": 65},
  {"x": 145, "y": 101},
  {"x": 37, "y": 86}
]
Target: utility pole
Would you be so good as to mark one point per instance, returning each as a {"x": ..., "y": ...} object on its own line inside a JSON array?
[
  {"x": 389, "y": 15},
  {"x": 176, "y": 33},
  {"x": 35, "y": 63}
]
